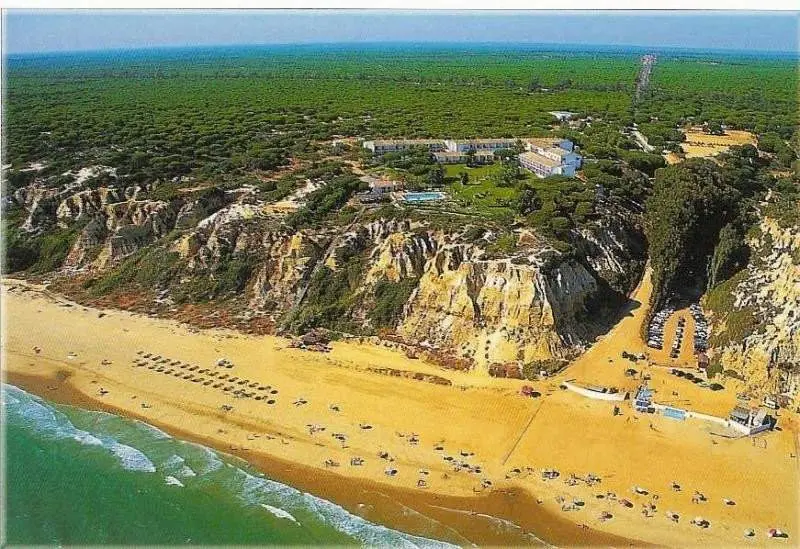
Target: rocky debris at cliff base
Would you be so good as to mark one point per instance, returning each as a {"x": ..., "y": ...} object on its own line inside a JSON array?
[
  {"x": 316, "y": 340},
  {"x": 408, "y": 374}
]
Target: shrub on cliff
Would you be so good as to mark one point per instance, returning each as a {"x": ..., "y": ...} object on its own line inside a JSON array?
[{"x": 390, "y": 298}]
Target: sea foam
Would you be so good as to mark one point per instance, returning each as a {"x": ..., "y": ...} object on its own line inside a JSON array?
[
  {"x": 280, "y": 513},
  {"x": 260, "y": 491},
  {"x": 49, "y": 422},
  {"x": 279, "y": 499}
]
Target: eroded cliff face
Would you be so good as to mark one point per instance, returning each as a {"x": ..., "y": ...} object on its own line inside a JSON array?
[
  {"x": 614, "y": 248},
  {"x": 523, "y": 306},
  {"x": 495, "y": 310},
  {"x": 767, "y": 295},
  {"x": 534, "y": 304},
  {"x": 112, "y": 222}
]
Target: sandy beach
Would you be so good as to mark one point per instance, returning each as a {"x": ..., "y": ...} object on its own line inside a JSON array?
[{"x": 469, "y": 455}]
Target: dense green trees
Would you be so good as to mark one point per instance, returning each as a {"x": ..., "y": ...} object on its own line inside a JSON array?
[
  {"x": 324, "y": 200},
  {"x": 772, "y": 143},
  {"x": 390, "y": 298},
  {"x": 644, "y": 162},
  {"x": 168, "y": 114},
  {"x": 743, "y": 93},
  {"x": 436, "y": 176},
  {"x": 509, "y": 173},
  {"x": 696, "y": 217},
  {"x": 529, "y": 201},
  {"x": 684, "y": 215},
  {"x": 730, "y": 254},
  {"x": 232, "y": 117}
]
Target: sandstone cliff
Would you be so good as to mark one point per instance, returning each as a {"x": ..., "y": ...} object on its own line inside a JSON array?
[
  {"x": 443, "y": 289},
  {"x": 759, "y": 329}
]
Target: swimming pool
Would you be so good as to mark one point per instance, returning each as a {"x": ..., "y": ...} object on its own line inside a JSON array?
[{"x": 422, "y": 197}]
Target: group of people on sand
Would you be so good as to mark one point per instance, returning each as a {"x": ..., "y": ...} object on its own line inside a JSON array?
[
  {"x": 458, "y": 464},
  {"x": 219, "y": 378},
  {"x": 648, "y": 508}
]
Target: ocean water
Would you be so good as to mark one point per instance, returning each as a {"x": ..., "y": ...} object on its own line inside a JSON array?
[{"x": 83, "y": 477}]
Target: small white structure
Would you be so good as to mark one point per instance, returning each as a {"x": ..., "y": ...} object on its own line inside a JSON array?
[
  {"x": 383, "y": 186},
  {"x": 562, "y": 116},
  {"x": 595, "y": 392},
  {"x": 380, "y": 186}
]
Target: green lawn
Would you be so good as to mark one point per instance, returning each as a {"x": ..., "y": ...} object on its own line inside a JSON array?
[
  {"x": 453, "y": 171},
  {"x": 481, "y": 195}
]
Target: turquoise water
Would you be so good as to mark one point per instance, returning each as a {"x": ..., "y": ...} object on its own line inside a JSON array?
[
  {"x": 82, "y": 477},
  {"x": 422, "y": 197}
]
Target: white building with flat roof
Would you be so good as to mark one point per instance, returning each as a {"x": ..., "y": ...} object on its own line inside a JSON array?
[
  {"x": 478, "y": 157},
  {"x": 464, "y": 145},
  {"x": 383, "y": 146},
  {"x": 550, "y": 156},
  {"x": 544, "y": 156}
]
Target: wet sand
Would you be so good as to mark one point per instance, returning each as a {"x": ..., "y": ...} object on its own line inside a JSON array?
[
  {"x": 480, "y": 421},
  {"x": 458, "y": 520}
]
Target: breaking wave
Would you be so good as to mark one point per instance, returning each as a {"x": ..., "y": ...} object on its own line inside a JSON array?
[
  {"x": 143, "y": 448},
  {"x": 25, "y": 409}
]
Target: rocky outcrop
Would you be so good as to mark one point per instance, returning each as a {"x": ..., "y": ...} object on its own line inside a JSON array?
[
  {"x": 115, "y": 221},
  {"x": 287, "y": 264},
  {"x": 41, "y": 204},
  {"x": 499, "y": 311},
  {"x": 614, "y": 247},
  {"x": 767, "y": 353}
]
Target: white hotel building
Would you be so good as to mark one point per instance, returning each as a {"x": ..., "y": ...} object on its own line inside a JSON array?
[
  {"x": 383, "y": 146},
  {"x": 544, "y": 156}
]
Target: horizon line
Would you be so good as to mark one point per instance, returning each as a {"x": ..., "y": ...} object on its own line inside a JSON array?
[{"x": 654, "y": 49}]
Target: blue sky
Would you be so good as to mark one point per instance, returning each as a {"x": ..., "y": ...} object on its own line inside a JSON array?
[{"x": 30, "y": 31}]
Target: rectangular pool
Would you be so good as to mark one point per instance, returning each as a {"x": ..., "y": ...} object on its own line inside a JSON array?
[{"x": 423, "y": 197}]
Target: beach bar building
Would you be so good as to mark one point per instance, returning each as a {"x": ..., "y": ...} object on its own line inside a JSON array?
[
  {"x": 748, "y": 420},
  {"x": 674, "y": 413}
]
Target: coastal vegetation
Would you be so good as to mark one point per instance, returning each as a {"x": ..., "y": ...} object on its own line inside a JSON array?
[
  {"x": 227, "y": 188},
  {"x": 283, "y": 125},
  {"x": 696, "y": 219},
  {"x": 166, "y": 116}
]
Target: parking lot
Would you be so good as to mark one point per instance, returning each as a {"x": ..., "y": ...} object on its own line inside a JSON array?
[{"x": 676, "y": 337}]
